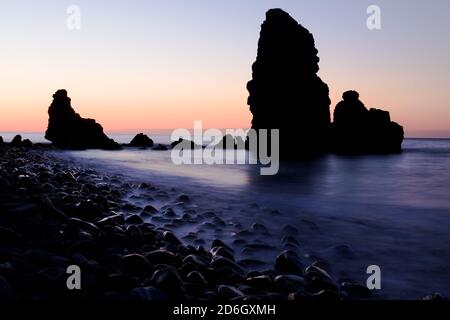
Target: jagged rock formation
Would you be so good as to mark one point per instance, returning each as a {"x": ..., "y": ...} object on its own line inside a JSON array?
[
  {"x": 141, "y": 140},
  {"x": 67, "y": 130},
  {"x": 286, "y": 94},
  {"x": 285, "y": 91},
  {"x": 1, "y": 140},
  {"x": 358, "y": 130}
]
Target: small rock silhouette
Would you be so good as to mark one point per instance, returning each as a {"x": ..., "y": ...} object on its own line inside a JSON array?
[
  {"x": 358, "y": 130},
  {"x": 141, "y": 140},
  {"x": 16, "y": 141}
]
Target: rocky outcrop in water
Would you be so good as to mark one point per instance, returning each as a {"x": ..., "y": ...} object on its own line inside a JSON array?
[
  {"x": 287, "y": 94},
  {"x": 285, "y": 91},
  {"x": 16, "y": 141},
  {"x": 68, "y": 130},
  {"x": 142, "y": 141},
  {"x": 358, "y": 130}
]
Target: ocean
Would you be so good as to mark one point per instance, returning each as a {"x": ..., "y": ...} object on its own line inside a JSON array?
[{"x": 392, "y": 211}]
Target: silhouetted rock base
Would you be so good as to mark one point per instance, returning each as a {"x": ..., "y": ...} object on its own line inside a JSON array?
[
  {"x": 357, "y": 130},
  {"x": 141, "y": 140},
  {"x": 67, "y": 130}
]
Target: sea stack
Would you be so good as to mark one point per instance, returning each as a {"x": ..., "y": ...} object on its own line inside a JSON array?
[
  {"x": 141, "y": 141},
  {"x": 68, "y": 130},
  {"x": 285, "y": 91},
  {"x": 358, "y": 130}
]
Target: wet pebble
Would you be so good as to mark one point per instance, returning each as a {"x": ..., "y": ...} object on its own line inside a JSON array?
[
  {"x": 289, "y": 262},
  {"x": 134, "y": 219},
  {"x": 168, "y": 280},
  {"x": 229, "y": 292},
  {"x": 147, "y": 294},
  {"x": 161, "y": 256},
  {"x": 136, "y": 264}
]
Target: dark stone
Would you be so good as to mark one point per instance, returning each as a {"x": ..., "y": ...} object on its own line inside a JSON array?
[
  {"x": 435, "y": 297},
  {"x": 289, "y": 282},
  {"x": 131, "y": 207},
  {"x": 118, "y": 281},
  {"x": 285, "y": 91},
  {"x": 222, "y": 252},
  {"x": 147, "y": 294},
  {"x": 229, "y": 292},
  {"x": 290, "y": 230},
  {"x": 136, "y": 264},
  {"x": 161, "y": 256},
  {"x": 10, "y": 237},
  {"x": 220, "y": 243},
  {"x": 53, "y": 212},
  {"x": 149, "y": 209},
  {"x": 141, "y": 140},
  {"x": 197, "y": 278},
  {"x": 112, "y": 220},
  {"x": 183, "y": 198},
  {"x": 264, "y": 282},
  {"x": 86, "y": 209},
  {"x": 259, "y": 227},
  {"x": 5, "y": 289},
  {"x": 299, "y": 296},
  {"x": 221, "y": 262},
  {"x": 84, "y": 225},
  {"x": 170, "y": 238},
  {"x": 167, "y": 279},
  {"x": 67, "y": 130},
  {"x": 134, "y": 219},
  {"x": 16, "y": 141},
  {"x": 193, "y": 290},
  {"x": 355, "y": 290},
  {"x": 315, "y": 270},
  {"x": 317, "y": 283},
  {"x": 169, "y": 213},
  {"x": 288, "y": 262},
  {"x": 27, "y": 143},
  {"x": 328, "y": 295},
  {"x": 358, "y": 130},
  {"x": 1, "y": 140},
  {"x": 201, "y": 262}
]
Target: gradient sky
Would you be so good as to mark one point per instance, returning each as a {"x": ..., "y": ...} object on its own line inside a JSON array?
[{"x": 163, "y": 64}]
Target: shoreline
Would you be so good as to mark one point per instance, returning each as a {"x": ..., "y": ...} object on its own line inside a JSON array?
[{"x": 56, "y": 214}]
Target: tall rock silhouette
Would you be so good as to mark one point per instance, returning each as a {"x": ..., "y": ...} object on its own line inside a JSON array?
[
  {"x": 285, "y": 91},
  {"x": 68, "y": 130},
  {"x": 358, "y": 130}
]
